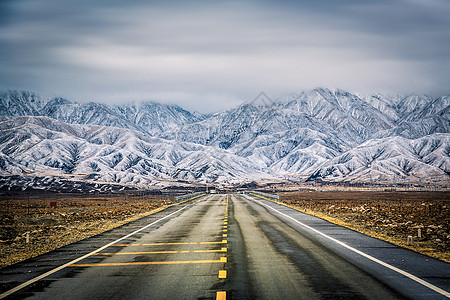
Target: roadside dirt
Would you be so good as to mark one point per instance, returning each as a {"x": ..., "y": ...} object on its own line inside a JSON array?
[
  {"x": 391, "y": 216},
  {"x": 35, "y": 224}
]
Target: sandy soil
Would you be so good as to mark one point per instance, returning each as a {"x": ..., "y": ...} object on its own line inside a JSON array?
[
  {"x": 392, "y": 216},
  {"x": 74, "y": 218}
]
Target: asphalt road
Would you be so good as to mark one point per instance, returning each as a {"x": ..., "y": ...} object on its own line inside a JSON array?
[{"x": 233, "y": 247}]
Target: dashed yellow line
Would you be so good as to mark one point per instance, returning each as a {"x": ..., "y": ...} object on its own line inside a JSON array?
[
  {"x": 221, "y": 260},
  {"x": 165, "y": 252},
  {"x": 221, "y": 295}
]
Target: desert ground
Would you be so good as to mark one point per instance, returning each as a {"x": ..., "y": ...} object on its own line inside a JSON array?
[
  {"x": 388, "y": 215},
  {"x": 37, "y": 223}
]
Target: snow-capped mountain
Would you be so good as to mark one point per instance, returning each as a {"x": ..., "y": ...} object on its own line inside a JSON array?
[
  {"x": 156, "y": 118},
  {"x": 323, "y": 134},
  {"x": 47, "y": 146},
  {"x": 426, "y": 158},
  {"x": 14, "y": 103},
  {"x": 148, "y": 117}
]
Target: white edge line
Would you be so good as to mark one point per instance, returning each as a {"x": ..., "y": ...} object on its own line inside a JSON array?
[
  {"x": 409, "y": 275},
  {"x": 21, "y": 286}
]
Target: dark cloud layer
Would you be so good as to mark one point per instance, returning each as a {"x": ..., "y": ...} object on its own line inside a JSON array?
[{"x": 209, "y": 55}]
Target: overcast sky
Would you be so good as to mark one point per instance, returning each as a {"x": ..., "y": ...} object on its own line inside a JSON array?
[{"x": 212, "y": 55}]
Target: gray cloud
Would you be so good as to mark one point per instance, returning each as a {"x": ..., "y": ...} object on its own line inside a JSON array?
[{"x": 210, "y": 55}]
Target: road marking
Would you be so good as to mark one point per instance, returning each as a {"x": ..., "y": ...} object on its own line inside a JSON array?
[
  {"x": 163, "y": 244},
  {"x": 221, "y": 260},
  {"x": 33, "y": 280},
  {"x": 221, "y": 295},
  {"x": 400, "y": 271},
  {"x": 165, "y": 252}
]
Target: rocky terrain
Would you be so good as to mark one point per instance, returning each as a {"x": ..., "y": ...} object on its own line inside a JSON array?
[{"x": 392, "y": 216}]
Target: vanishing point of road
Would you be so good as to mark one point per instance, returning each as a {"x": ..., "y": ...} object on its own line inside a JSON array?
[{"x": 228, "y": 247}]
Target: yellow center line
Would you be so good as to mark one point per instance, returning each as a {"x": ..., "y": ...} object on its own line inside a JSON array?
[
  {"x": 222, "y": 295},
  {"x": 221, "y": 260},
  {"x": 165, "y": 252},
  {"x": 163, "y": 244},
  {"x": 222, "y": 274}
]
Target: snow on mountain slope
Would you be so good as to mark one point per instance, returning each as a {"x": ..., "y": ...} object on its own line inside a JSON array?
[
  {"x": 156, "y": 118},
  {"x": 433, "y": 117},
  {"x": 338, "y": 114},
  {"x": 237, "y": 128},
  {"x": 14, "y": 103},
  {"x": 382, "y": 160},
  {"x": 149, "y": 117},
  {"x": 411, "y": 105},
  {"x": 284, "y": 148},
  {"x": 351, "y": 118},
  {"x": 41, "y": 145},
  {"x": 86, "y": 113},
  {"x": 326, "y": 134},
  {"x": 431, "y": 109}
]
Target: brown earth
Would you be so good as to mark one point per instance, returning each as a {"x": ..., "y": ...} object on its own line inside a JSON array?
[
  {"x": 74, "y": 218},
  {"x": 390, "y": 215}
]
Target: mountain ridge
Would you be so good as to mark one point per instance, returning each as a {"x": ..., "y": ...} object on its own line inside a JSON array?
[{"x": 322, "y": 134}]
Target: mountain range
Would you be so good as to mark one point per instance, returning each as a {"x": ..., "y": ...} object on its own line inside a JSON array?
[{"x": 322, "y": 134}]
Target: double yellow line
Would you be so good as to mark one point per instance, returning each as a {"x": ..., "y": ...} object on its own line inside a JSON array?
[
  {"x": 221, "y": 260},
  {"x": 166, "y": 252}
]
